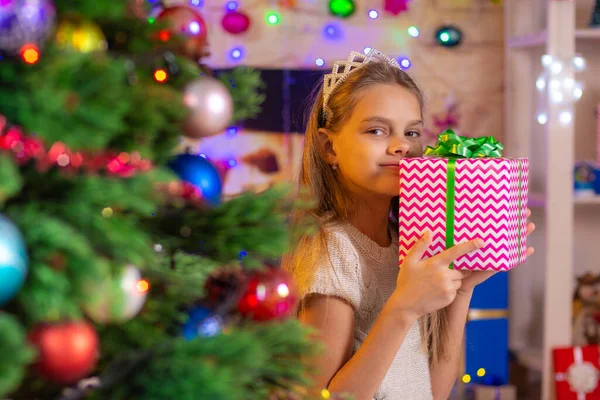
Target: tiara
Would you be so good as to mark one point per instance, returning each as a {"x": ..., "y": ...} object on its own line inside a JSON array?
[{"x": 342, "y": 69}]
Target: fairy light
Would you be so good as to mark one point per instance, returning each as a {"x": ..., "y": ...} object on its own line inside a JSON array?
[
  {"x": 542, "y": 118},
  {"x": 540, "y": 84},
  {"x": 194, "y": 27},
  {"x": 107, "y": 212},
  {"x": 373, "y": 14},
  {"x": 367, "y": 49},
  {"x": 325, "y": 394},
  {"x": 579, "y": 63},
  {"x": 405, "y": 62},
  {"x": 30, "y": 54},
  {"x": 320, "y": 62},
  {"x": 273, "y": 19},
  {"x": 413, "y": 31},
  {"x": 160, "y": 75},
  {"x": 481, "y": 372},
  {"x": 283, "y": 290},
  {"x": 565, "y": 117},
  {"x": 466, "y": 378},
  {"x": 232, "y": 6},
  {"x": 237, "y": 53},
  {"x": 142, "y": 286}
]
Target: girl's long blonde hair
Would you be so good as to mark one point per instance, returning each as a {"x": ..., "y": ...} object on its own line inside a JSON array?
[{"x": 331, "y": 199}]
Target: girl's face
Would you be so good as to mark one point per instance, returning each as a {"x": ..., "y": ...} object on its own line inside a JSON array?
[{"x": 384, "y": 128}]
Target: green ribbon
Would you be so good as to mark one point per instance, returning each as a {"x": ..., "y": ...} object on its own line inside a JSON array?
[{"x": 452, "y": 146}]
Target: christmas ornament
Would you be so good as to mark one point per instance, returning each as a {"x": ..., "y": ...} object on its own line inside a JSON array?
[
  {"x": 235, "y": 22},
  {"x": 210, "y": 105},
  {"x": 395, "y": 7},
  {"x": 201, "y": 173},
  {"x": 13, "y": 260},
  {"x": 448, "y": 36},
  {"x": 202, "y": 322},
  {"x": 67, "y": 351},
  {"x": 342, "y": 8},
  {"x": 25, "y": 23},
  {"x": 269, "y": 295},
  {"x": 80, "y": 34},
  {"x": 109, "y": 303},
  {"x": 189, "y": 25}
]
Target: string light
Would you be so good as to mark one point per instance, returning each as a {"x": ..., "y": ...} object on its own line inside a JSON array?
[
  {"x": 320, "y": 62},
  {"x": 237, "y": 53},
  {"x": 404, "y": 62},
  {"x": 107, "y": 212},
  {"x": 466, "y": 378},
  {"x": 413, "y": 31},
  {"x": 142, "y": 286},
  {"x": 373, "y": 14},
  {"x": 232, "y": 131},
  {"x": 565, "y": 117},
  {"x": 232, "y": 162},
  {"x": 542, "y": 118},
  {"x": 30, "y": 54},
  {"x": 481, "y": 372},
  {"x": 367, "y": 49},
  {"x": 273, "y": 19},
  {"x": 160, "y": 75},
  {"x": 232, "y": 6}
]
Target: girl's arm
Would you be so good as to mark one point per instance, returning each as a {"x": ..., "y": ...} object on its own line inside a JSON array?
[
  {"x": 362, "y": 374},
  {"x": 444, "y": 374}
]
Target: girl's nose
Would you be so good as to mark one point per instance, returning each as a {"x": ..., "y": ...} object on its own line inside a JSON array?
[{"x": 399, "y": 147}]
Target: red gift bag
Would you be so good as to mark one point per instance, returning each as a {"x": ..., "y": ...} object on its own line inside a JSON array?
[{"x": 577, "y": 373}]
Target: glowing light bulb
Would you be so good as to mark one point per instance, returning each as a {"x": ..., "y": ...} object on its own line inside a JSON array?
[
  {"x": 542, "y": 118},
  {"x": 557, "y": 97},
  {"x": 237, "y": 53},
  {"x": 540, "y": 83},
  {"x": 30, "y": 54},
  {"x": 232, "y": 5},
  {"x": 481, "y": 372},
  {"x": 194, "y": 27},
  {"x": 466, "y": 378},
  {"x": 405, "y": 63},
  {"x": 578, "y": 91},
  {"x": 367, "y": 49},
  {"x": 373, "y": 14},
  {"x": 565, "y": 117},
  {"x": 547, "y": 60},
  {"x": 413, "y": 31},
  {"x": 283, "y": 290},
  {"x": 320, "y": 62},
  {"x": 273, "y": 19},
  {"x": 160, "y": 75},
  {"x": 556, "y": 67},
  {"x": 142, "y": 286},
  {"x": 579, "y": 63}
]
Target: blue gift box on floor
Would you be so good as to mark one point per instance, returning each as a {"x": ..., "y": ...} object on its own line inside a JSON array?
[{"x": 486, "y": 334}]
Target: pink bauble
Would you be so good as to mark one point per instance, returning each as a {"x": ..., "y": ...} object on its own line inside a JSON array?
[{"x": 235, "y": 22}]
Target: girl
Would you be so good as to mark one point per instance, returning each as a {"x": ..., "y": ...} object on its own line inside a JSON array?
[{"x": 388, "y": 333}]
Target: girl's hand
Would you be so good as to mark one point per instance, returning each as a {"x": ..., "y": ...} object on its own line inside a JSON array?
[
  {"x": 424, "y": 286},
  {"x": 474, "y": 278}
]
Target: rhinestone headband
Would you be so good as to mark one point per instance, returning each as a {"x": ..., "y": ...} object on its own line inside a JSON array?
[{"x": 342, "y": 69}]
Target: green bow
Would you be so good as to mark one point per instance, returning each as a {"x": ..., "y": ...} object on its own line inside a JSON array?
[{"x": 451, "y": 145}]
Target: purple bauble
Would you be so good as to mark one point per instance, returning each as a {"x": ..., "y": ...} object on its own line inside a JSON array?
[
  {"x": 25, "y": 22},
  {"x": 235, "y": 22}
]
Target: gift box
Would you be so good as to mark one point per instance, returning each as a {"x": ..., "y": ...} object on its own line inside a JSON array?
[
  {"x": 464, "y": 189},
  {"x": 504, "y": 392},
  {"x": 577, "y": 372}
]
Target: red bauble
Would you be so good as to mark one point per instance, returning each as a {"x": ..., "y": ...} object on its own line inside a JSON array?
[
  {"x": 188, "y": 23},
  {"x": 235, "y": 22},
  {"x": 270, "y": 295},
  {"x": 67, "y": 351}
]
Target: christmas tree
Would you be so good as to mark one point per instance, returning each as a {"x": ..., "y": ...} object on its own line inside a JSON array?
[{"x": 123, "y": 274}]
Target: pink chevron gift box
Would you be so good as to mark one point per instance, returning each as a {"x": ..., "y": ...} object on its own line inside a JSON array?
[{"x": 459, "y": 199}]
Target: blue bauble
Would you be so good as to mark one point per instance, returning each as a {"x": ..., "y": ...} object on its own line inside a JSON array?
[
  {"x": 13, "y": 260},
  {"x": 25, "y": 22},
  {"x": 202, "y": 322},
  {"x": 201, "y": 173}
]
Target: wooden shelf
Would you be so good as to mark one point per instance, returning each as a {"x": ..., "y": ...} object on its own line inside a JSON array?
[
  {"x": 538, "y": 39},
  {"x": 538, "y": 200}
]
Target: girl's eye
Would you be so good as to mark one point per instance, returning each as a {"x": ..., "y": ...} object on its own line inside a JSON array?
[
  {"x": 377, "y": 132},
  {"x": 413, "y": 134}
]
